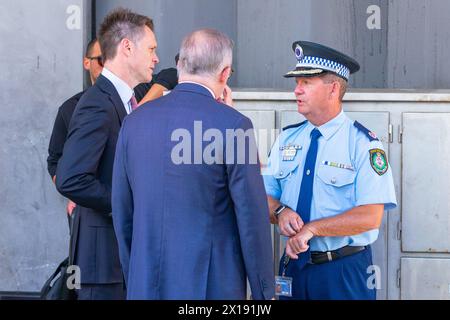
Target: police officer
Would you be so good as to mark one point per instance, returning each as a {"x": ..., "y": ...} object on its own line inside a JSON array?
[{"x": 328, "y": 182}]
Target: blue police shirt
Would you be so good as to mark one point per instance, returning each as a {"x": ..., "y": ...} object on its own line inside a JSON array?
[{"x": 351, "y": 170}]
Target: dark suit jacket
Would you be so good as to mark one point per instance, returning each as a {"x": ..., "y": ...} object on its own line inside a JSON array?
[
  {"x": 84, "y": 175},
  {"x": 189, "y": 231},
  {"x": 59, "y": 132}
]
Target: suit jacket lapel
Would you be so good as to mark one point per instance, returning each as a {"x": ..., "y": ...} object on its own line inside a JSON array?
[{"x": 106, "y": 86}]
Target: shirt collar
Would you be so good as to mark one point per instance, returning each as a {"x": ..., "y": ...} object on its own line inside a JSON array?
[
  {"x": 210, "y": 91},
  {"x": 331, "y": 127},
  {"x": 124, "y": 91}
]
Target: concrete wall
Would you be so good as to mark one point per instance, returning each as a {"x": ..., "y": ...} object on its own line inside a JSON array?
[{"x": 40, "y": 63}]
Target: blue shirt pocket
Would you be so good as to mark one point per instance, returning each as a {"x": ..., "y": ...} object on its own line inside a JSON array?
[
  {"x": 287, "y": 177},
  {"x": 335, "y": 190}
]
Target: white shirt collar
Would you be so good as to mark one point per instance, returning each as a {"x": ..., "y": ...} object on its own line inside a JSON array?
[
  {"x": 210, "y": 91},
  {"x": 125, "y": 92}
]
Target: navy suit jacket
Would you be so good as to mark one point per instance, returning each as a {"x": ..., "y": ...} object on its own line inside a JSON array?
[
  {"x": 189, "y": 231},
  {"x": 84, "y": 175}
]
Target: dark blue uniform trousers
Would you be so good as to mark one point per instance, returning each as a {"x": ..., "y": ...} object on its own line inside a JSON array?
[{"x": 342, "y": 279}]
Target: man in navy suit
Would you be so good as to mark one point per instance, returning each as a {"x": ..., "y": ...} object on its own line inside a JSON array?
[
  {"x": 84, "y": 172},
  {"x": 189, "y": 227},
  {"x": 92, "y": 62}
]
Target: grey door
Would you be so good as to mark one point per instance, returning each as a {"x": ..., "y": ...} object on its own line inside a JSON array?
[{"x": 426, "y": 182}]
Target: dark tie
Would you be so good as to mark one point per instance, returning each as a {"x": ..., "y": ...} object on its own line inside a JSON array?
[
  {"x": 306, "y": 189},
  {"x": 133, "y": 103}
]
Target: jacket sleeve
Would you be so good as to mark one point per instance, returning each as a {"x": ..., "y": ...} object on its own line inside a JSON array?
[
  {"x": 56, "y": 144},
  {"x": 77, "y": 171},
  {"x": 122, "y": 204},
  {"x": 246, "y": 187}
]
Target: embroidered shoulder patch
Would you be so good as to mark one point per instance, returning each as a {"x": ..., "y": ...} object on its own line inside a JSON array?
[{"x": 378, "y": 161}]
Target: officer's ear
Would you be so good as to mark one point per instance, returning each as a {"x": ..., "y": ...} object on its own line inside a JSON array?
[{"x": 335, "y": 88}]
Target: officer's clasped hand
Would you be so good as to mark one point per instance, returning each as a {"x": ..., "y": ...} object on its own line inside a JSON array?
[{"x": 289, "y": 222}]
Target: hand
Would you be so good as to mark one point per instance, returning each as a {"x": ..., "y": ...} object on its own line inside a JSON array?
[
  {"x": 70, "y": 206},
  {"x": 226, "y": 96},
  {"x": 289, "y": 222},
  {"x": 299, "y": 243}
]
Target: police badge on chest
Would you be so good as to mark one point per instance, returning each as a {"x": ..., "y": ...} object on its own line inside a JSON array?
[{"x": 289, "y": 152}]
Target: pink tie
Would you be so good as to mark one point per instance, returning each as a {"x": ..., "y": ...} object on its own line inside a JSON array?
[{"x": 134, "y": 103}]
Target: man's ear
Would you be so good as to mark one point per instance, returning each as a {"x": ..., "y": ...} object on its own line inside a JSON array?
[
  {"x": 126, "y": 46},
  {"x": 335, "y": 89},
  {"x": 224, "y": 75},
  {"x": 86, "y": 64}
]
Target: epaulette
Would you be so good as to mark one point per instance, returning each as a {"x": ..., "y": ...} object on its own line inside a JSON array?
[
  {"x": 295, "y": 125},
  {"x": 371, "y": 135}
]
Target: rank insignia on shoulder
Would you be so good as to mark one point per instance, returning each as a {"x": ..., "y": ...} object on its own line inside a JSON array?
[
  {"x": 378, "y": 161},
  {"x": 370, "y": 134}
]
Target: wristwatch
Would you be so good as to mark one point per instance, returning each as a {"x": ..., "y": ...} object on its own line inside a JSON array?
[{"x": 278, "y": 211}]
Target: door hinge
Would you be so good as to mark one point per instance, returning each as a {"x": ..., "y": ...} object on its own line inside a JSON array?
[
  {"x": 391, "y": 133},
  {"x": 400, "y": 134},
  {"x": 398, "y": 278}
]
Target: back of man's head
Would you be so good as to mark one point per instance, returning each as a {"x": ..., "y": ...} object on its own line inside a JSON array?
[
  {"x": 118, "y": 25},
  {"x": 204, "y": 53},
  {"x": 90, "y": 47}
]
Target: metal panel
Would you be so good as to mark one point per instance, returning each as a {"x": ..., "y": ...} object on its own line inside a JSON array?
[
  {"x": 426, "y": 182},
  {"x": 425, "y": 278},
  {"x": 378, "y": 122}
]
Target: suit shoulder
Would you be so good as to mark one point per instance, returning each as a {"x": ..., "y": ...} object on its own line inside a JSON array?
[
  {"x": 297, "y": 125},
  {"x": 368, "y": 133},
  {"x": 94, "y": 97},
  {"x": 231, "y": 113},
  {"x": 70, "y": 103}
]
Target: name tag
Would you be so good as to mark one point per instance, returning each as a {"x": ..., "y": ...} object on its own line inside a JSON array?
[{"x": 283, "y": 286}]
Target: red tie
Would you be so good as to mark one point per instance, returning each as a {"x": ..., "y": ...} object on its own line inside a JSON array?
[{"x": 133, "y": 102}]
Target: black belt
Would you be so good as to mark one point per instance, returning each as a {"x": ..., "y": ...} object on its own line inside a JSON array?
[{"x": 318, "y": 257}]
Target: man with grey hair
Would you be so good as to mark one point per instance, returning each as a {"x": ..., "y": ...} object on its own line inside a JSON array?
[
  {"x": 201, "y": 64},
  {"x": 84, "y": 173},
  {"x": 191, "y": 231}
]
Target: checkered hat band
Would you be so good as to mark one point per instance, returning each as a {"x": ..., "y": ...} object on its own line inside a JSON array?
[{"x": 315, "y": 62}]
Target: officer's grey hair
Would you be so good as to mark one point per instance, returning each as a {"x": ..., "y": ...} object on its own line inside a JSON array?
[
  {"x": 330, "y": 77},
  {"x": 205, "y": 52}
]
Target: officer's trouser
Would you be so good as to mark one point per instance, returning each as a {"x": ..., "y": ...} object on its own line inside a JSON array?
[{"x": 343, "y": 279}]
